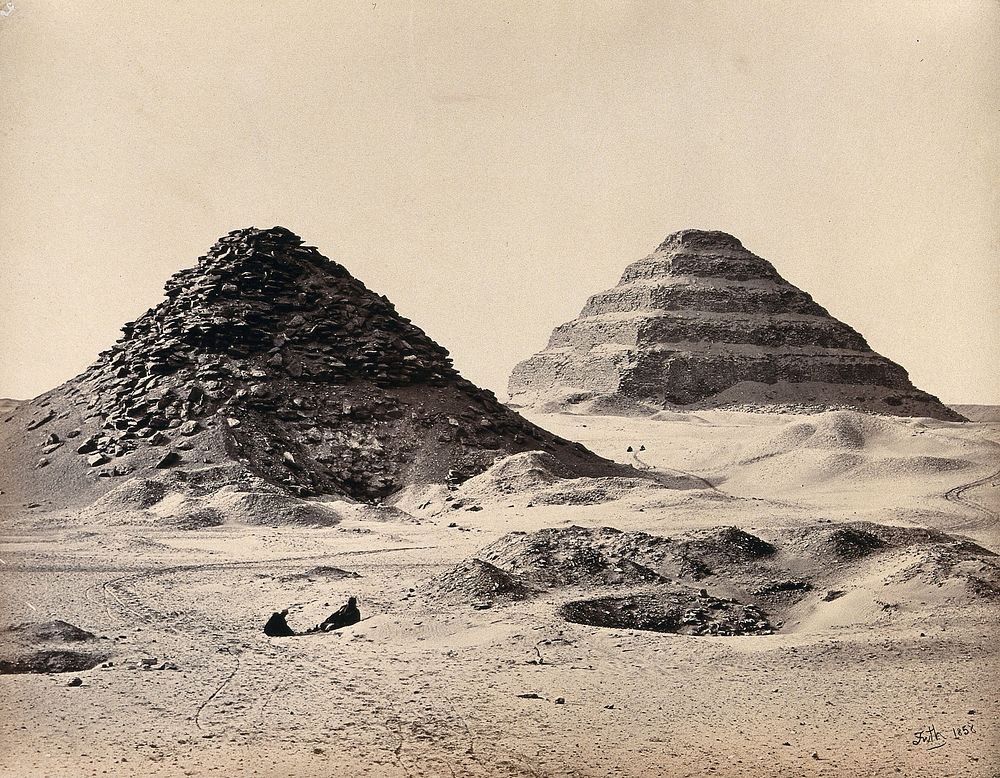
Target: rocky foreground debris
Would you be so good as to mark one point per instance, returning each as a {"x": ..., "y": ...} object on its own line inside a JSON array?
[
  {"x": 714, "y": 581},
  {"x": 702, "y": 322}
]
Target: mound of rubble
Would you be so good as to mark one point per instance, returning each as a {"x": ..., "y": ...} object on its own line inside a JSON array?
[
  {"x": 861, "y": 539},
  {"x": 601, "y": 556},
  {"x": 269, "y": 355},
  {"x": 670, "y": 609},
  {"x": 720, "y": 580},
  {"x": 478, "y": 582},
  {"x": 48, "y": 647},
  {"x": 702, "y": 322}
]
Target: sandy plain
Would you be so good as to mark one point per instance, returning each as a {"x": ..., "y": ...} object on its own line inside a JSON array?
[{"x": 425, "y": 687}]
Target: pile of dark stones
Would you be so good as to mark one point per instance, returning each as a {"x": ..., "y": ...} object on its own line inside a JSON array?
[{"x": 270, "y": 354}]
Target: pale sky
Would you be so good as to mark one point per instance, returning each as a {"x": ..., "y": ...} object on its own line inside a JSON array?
[{"x": 488, "y": 166}]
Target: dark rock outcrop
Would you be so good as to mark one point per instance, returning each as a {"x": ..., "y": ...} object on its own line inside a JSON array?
[
  {"x": 270, "y": 355},
  {"x": 703, "y": 322}
]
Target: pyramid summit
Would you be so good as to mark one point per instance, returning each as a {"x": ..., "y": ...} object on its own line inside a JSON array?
[
  {"x": 271, "y": 357},
  {"x": 703, "y": 322}
]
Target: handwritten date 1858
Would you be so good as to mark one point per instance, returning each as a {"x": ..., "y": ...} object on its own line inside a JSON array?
[{"x": 934, "y": 739}]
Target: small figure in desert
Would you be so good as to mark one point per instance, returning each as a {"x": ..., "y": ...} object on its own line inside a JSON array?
[
  {"x": 344, "y": 617},
  {"x": 277, "y": 627}
]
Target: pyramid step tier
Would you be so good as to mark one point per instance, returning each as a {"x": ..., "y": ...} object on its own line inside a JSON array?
[
  {"x": 732, "y": 266},
  {"x": 703, "y": 294},
  {"x": 680, "y": 374},
  {"x": 656, "y": 327}
]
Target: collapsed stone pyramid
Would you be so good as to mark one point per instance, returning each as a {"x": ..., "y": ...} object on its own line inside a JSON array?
[
  {"x": 703, "y": 322},
  {"x": 270, "y": 355}
]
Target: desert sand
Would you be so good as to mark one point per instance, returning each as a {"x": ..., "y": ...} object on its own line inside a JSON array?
[{"x": 874, "y": 668}]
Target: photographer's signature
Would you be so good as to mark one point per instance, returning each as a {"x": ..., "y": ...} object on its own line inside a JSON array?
[{"x": 931, "y": 738}]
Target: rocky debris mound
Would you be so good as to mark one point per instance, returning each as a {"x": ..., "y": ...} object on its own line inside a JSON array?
[
  {"x": 271, "y": 355},
  {"x": 935, "y": 560},
  {"x": 576, "y": 556},
  {"x": 702, "y": 322},
  {"x": 702, "y": 553},
  {"x": 591, "y": 557},
  {"x": 675, "y": 609},
  {"x": 56, "y": 631},
  {"x": 322, "y": 572},
  {"x": 478, "y": 582},
  {"x": 522, "y": 565},
  {"x": 48, "y": 647},
  {"x": 859, "y": 539},
  {"x": 722, "y": 580},
  {"x": 853, "y": 542}
]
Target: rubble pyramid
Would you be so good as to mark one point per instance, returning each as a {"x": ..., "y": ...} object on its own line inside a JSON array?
[
  {"x": 702, "y": 322},
  {"x": 269, "y": 356}
]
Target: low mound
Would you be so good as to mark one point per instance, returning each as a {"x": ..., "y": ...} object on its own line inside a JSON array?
[
  {"x": 193, "y": 517},
  {"x": 678, "y": 416},
  {"x": 359, "y": 511},
  {"x": 604, "y": 556},
  {"x": 477, "y": 581},
  {"x": 594, "y": 491},
  {"x": 41, "y": 647},
  {"x": 540, "y": 477},
  {"x": 197, "y": 500},
  {"x": 49, "y": 632},
  {"x": 326, "y": 572},
  {"x": 838, "y": 431},
  {"x": 854, "y": 543},
  {"x": 672, "y": 610},
  {"x": 728, "y": 544},
  {"x": 271, "y": 509},
  {"x": 136, "y": 494},
  {"x": 897, "y": 467},
  {"x": 961, "y": 562},
  {"x": 574, "y": 556},
  {"x": 859, "y": 539},
  {"x": 518, "y": 473}
]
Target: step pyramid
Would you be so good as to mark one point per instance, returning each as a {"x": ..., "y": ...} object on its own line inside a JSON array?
[
  {"x": 269, "y": 355},
  {"x": 702, "y": 322}
]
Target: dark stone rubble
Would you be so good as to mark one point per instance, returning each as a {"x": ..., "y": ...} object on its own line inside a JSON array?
[{"x": 278, "y": 356}]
